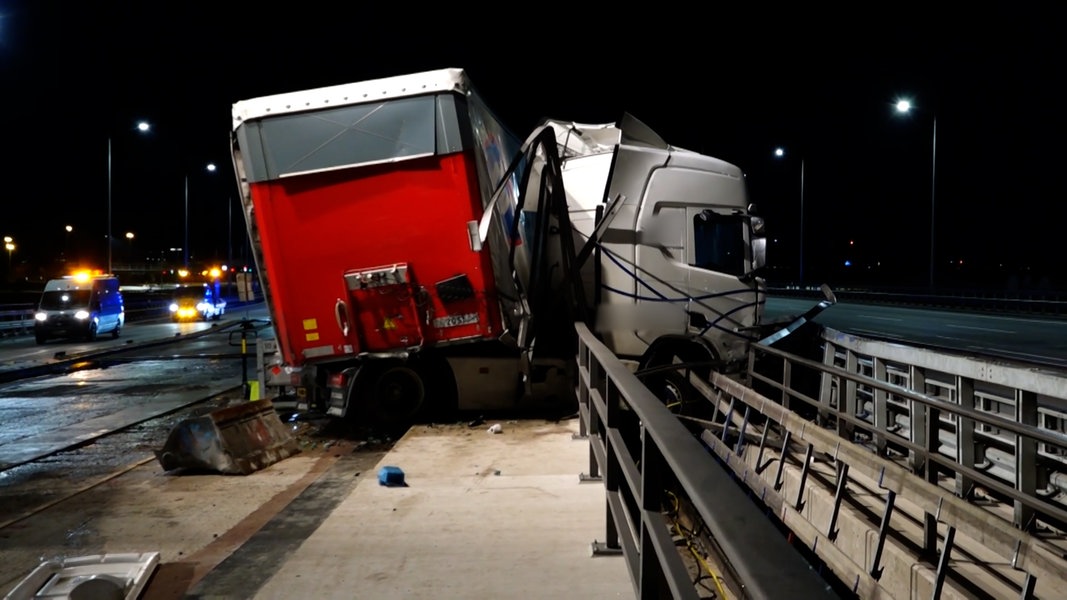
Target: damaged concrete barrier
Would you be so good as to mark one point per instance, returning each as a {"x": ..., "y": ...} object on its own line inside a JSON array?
[{"x": 238, "y": 439}]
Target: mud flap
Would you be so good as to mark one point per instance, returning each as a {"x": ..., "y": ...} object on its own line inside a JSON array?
[{"x": 236, "y": 440}]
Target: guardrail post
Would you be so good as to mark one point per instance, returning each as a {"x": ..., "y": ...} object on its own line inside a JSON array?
[
  {"x": 881, "y": 409},
  {"x": 787, "y": 381},
  {"x": 799, "y": 504},
  {"x": 964, "y": 436},
  {"x": 942, "y": 563},
  {"x": 741, "y": 434},
  {"x": 842, "y": 483},
  {"x": 826, "y": 385},
  {"x": 883, "y": 531},
  {"x": 846, "y": 404},
  {"x": 917, "y": 419},
  {"x": 933, "y": 443},
  {"x": 1025, "y": 457},
  {"x": 245, "y": 326},
  {"x": 781, "y": 461}
]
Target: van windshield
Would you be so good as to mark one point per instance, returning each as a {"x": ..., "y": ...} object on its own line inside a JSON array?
[{"x": 63, "y": 299}]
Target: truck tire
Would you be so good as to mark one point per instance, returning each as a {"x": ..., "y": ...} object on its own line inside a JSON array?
[
  {"x": 675, "y": 391},
  {"x": 670, "y": 383},
  {"x": 395, "y": 395}
]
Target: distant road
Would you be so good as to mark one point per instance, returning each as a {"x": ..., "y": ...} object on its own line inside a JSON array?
[{"x": 1029, "y": 339}]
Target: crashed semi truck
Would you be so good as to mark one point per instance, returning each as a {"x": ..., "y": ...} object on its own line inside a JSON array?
[{"x": 416, "y": 256}]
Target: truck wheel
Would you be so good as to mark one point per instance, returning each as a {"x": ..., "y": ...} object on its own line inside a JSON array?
[
  {"x": 397, "y": 395},
  {"x": 675, "y": 392}
]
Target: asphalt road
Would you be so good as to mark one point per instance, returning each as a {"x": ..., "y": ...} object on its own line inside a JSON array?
[
  {"x": 79, "y": 473},
  {"x": 1028, "y": 339}
]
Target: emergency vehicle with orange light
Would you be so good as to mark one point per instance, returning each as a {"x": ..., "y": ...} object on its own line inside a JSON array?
[{"x": 80, "y": 306}]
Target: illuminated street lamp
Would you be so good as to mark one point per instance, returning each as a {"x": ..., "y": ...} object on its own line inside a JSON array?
[
  {"x": 142, "y": 127},
  {"x": 9, "y": 245},
  {"x": 780, "y": 153},
  {"x": 905, "y": 107},
  {"x": 129, "y": 258}
]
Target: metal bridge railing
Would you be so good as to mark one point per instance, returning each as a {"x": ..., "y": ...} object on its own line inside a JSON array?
[
  {"x": 16, "y": 319},
  {"x": 647, "y": 458},
  {"x": 906, "y": 417}
]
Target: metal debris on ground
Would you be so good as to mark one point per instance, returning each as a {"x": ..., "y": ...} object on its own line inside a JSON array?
[{"x": 238, "y": 439}]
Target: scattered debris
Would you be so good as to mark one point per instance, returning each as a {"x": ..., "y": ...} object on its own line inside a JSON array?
[
  {"x": 496, "y": 428},
  {"x": 238, "y": 439},
  {"x": 96, "y": 576},
  {"x": 391, "y": 477}
]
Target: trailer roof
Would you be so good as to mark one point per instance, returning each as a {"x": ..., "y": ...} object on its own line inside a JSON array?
[{"x": 373, "y": 90}]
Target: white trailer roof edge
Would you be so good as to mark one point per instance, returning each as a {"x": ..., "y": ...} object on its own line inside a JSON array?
[{"x": 372, "y": 90}]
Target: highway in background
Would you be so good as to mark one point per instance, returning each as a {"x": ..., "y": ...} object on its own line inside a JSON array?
[
  {"x": 1037, "y": 340},
  {"x": 1024, "y": 338}
]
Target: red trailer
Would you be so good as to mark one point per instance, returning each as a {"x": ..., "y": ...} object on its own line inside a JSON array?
[{"x": 382, "y": 216}]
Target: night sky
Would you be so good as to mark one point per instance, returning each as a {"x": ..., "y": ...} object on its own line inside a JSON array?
[{"x": 733, "y": 83}]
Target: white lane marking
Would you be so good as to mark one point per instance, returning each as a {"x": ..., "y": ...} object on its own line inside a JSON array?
[
  {"x": 877, "y": 333},
  {"x": 980, "y": 328},
  {"x": 877, "y": 318}
]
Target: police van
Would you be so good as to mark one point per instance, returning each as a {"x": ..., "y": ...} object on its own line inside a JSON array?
[{"x": 80, "y": 307}]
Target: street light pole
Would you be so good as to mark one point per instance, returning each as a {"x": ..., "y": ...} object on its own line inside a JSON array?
[
  {"x": 129, "y": 256},
  {"x": 801, "y": 274},
  {"x": 229, "y": 231},
  {"x": 143, "y": 127},
  {"x": 904, "y": 106},
  {"x": 185, "y": 245},
  {"x": 109, "y": 204},
  {"x": 210, "y": 168},
  {"x": 780, "y": 152},
  {"x": 9, "y": 245},
  {"x": 933, "y": 187}
]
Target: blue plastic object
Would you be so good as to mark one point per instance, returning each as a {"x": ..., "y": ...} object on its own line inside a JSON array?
[{"x": 390, "y": 476}]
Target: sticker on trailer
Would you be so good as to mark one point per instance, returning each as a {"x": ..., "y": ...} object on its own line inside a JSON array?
[{"x": 455, "y": 320}]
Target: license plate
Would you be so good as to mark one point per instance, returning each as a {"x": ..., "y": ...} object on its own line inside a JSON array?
[{"x": 455, "y": 320}]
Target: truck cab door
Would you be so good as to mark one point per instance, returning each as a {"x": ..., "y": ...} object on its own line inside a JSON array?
[
  {"x": 717, "y": 257},
  {"x": 660, "y": 255}
]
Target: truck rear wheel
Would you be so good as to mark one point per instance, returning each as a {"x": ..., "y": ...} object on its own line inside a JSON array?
[{"x": 396, "y": 395}]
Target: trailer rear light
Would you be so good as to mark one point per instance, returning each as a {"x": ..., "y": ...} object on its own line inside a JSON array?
[{"x": 337, "y": 380}]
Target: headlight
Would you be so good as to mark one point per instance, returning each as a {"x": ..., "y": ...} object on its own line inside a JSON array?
[
  {"x": 41, "y": 316},
  {"x": 81, "y": 315},
  {"x": 174, "y": 307}
]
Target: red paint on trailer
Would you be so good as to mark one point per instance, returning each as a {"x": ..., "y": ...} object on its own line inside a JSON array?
[{"x": 413, "y": 212}]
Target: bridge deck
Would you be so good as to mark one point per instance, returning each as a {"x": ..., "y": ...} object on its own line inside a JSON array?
[{"x": 481, "y": 516}]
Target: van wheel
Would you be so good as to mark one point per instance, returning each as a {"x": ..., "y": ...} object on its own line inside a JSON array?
[
  {"x": 91, "y": 334},
  {"x": 116, "y": 332}
]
